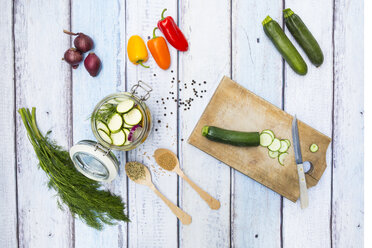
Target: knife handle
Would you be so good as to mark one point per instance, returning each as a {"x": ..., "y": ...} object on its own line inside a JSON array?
[{"x": 304, "y": 198}]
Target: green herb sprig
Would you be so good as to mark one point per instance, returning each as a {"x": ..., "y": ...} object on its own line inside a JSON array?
[
  {"x": 105, "y": 112},
  {"x": 79, "y": 193}
]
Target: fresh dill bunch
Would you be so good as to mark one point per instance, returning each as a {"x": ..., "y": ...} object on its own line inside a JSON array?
[
  {"x": 80, "y": 194},
  {"x": 105, "y": 112}
]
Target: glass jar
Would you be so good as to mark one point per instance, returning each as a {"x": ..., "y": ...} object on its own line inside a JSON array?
[{"x": 95, "y": 159}]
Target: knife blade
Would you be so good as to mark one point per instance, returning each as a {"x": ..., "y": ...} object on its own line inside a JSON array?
[
  {"x": 304, "y": 198},
  {"x": 296, "y": 141}
]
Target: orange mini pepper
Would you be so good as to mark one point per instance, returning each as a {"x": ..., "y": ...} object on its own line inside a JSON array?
[{"x": 159, "y": 50}]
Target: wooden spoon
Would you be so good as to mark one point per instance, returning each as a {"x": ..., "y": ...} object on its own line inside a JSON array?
[
  {"x": 169, "y": 161},
  {"x": 146, "y": 180}
]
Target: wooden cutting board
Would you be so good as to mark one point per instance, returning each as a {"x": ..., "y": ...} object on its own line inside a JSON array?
[{"x": 234, "y": 107}]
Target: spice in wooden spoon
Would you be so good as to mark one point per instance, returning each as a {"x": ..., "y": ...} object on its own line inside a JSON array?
[
  {"x": 169, "y": 161},
  {"x": 140, "y": 174},
  {"x": 135, "y": 170}
]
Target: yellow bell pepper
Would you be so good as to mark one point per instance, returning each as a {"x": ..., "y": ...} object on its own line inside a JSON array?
[{"x": 137, "y": 51}]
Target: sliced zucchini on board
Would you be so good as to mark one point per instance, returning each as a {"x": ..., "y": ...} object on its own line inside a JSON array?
[
  {"x": 269, "y": 132},
  {"x": 288, "y": 142},
  {"x": 282, "y": 157},
  {"x": 115, "y": 123},
  {"x": 125, "y": 106},
  {"x": 273, "y": 154},
  {"x": 314, "y": 147},
  {"x": 275, "y": 145},
  {"x": 126, "y": 131},
  {"x": 266, "y": 139},
  {"x": 101, "y": 125},
  {"x": 283, "y": 146},
  {"x": 133, "y": 117},
  {"x": 104, "y": 136},
  {"x": 118, "y": 138}
]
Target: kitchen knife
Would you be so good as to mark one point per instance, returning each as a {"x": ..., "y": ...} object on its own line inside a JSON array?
[{"x": 304, "y": 199}]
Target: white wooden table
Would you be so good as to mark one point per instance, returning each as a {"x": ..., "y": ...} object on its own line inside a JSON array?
[{"x": 225, "y": 38}]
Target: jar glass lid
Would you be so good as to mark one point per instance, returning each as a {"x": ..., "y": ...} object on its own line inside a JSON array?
[{"x": 94, "y": 161}]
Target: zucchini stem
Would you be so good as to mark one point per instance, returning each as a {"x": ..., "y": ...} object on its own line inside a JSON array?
[
  {"x": 266, "y": 20},
  {"x": 287, "y": 13},
  {"x": 205, "y": 130}
]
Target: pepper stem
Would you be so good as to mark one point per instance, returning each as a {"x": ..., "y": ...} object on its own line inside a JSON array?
[
  {"x": 140, "y": 63},
  {"x": 162, "y": 14},
  {"x": 153, "y": 33}
]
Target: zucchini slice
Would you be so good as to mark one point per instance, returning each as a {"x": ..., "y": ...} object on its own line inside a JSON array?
[
  {"x": 127, "y": 126},
  {"x": 288, "y": 142},
  {"x": 283, "y": 146},
  {"x": 133, "y": 117},
  {"x": 126, "y": 131},
  {"x": 269, "y": 132},
  {"x": 275, "y": 145},
  {"x": 282, "y": 157},
  {"x": 125, "y": 106},
  {"x": 119, "y": 138},
  {"x": 273, "y": 154},
  {"x": 112, "y": 101},
  {"x": 115, "y": 123},
  {"x": 314, "y": 148},
  {"x": 119, "y": 99},
  {"x": 104, "y": 136},
  {"x": 101, "y": 125},
  {"x": 266, "y": 139}
]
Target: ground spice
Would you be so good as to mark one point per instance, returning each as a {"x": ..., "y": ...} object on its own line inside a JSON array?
[
  {"x": 167, "y": 161},
  {"x": 135, "y": 170}
]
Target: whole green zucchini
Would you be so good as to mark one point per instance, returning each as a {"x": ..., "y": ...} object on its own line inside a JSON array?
[
  {"x": 284, "y": 45},
  {"x": 230, "y": 137},
  {"x": 304, "y": 37}
]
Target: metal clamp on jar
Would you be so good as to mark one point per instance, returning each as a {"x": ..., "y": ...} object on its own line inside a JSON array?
[{"x": 120, "y": 121}]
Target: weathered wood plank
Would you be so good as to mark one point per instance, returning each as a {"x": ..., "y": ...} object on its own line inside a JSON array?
[
  {"x": 310, "y": 98},
  {"x": 348, "y": 165},
  {"x": 43, "y": 81},
  {"x": 153, "y": 224},
  {"x": 104, "y": 22},
  {"x": 206, "y": 25},
  {"x": 8, "y": 205},
  {"x": 258, "y": 67}
]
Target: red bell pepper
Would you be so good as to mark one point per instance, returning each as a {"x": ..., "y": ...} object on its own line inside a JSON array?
[{"x": 172, "y": 33}]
